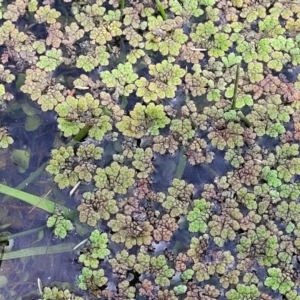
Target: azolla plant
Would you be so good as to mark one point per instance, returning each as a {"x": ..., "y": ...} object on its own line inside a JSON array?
[{"x": 188, "y": 163}]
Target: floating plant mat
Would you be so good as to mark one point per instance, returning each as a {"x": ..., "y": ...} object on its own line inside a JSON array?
[{"x": 168, "y": 134}]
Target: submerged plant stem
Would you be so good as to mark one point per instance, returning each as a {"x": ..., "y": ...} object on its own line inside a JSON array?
[
  {"x": 23, "y": 233},
  {"x": 28, "y": 180},
  {"x": 181, "y": 164},
  {"x": 39, "y": 251},
  {"x": 124, "y": 102}
]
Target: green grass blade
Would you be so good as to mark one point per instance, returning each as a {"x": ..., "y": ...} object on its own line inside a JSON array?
[
  {"x": 161, "y": 9},
  {"x": 45, "y": 204},
  {"x": 68, "y": 247},
  {"x": 39, "y": 202}
]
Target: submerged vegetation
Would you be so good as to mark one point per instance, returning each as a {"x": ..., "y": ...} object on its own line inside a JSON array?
[{"x": 178, "y": 125}]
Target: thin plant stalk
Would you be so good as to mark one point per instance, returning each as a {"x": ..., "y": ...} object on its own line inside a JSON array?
[
  {"x": 235, "y": 91},
  {"x": 236, "y": 83},
  {"x": 122, "y": 4},
  {"x": 161, "y": 9}
]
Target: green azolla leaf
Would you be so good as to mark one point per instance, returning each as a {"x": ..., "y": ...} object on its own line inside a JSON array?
[
  {"x": 2, "y": 90},
  {"x": 180, "y": 289},
  {"x": 109, "y": 79},
  {"x": 281, "y": 43},
  {"x": 271, "y": 177},
  {"x": 276, "y": 61},
  {"x": 243, "y": 100},
  {"x": 5, "y": 139},
  {"x": 255, "y": 70},
  {"x": 231, "y": 60},
  {"x": 243, "y": 291},
  {"x": 60, "y": 224},
  {"x": 87, "y": 63},
  {"x": 214, "y": 95},
  {"x": 198, "y": 216},
  {"x": 68, "y": 127},
  {"x": 207, "y": 2},
  {"x": 94, "y": 277},
  {"x": 51, "y": 60},
  {"x": 276, "y": 281}
]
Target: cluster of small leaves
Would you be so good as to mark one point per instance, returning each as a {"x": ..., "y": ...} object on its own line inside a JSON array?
[
  {"x": 46, "y": 14},
  {"x": 197, "y": 82},
  {"x": 69, "y": 167},
  {"x": 163, "y": 144},
  {"x": 166, "y": 78},
  {"x": 92, "y": 279},
  {"x": 53, "y": 293},
  {"x": 97, "y": 56},
  {"x": 121, "y": 79},
  {"x": 96, "y": 250},
  {"x": 118, "y": 178},
  {"x": 231, "y": 136},
  {"x": 198, "y": 216},
  {"x": 268, "y": 116},
  {"x": 75, "y": 113},
  {"x": 158, "y": 266},
  {"x": 276, "y": 280},
  {"x": 89, "y": 15},
  {"x": 197, "y": 152},
  {"x": 165, "y": 36},
  {"x": 179, "y": 198},
  {"x": 143, "y": 120},
  {"x": 6, "y": 75},
  {"x": 130, "y": 232},
  {"x": 186, "y": 10},
  {"x": 51, "y": 60},
  {"x": 61, "y": 226},
  {"x": 5, "y": 139},
  {"x": 97, "y": 205},
  {"x": 262, "y": 243},
  {"x": 122, "y": 263},
  {"x": 220, "y": 265},
  {"x": 143, "y": 162},
  {"x": 40, "y": 87},
  {"x": 242, "y": 292},
  {"x": 225, "y": 226},
  {"x": 61, "y": 158},
  {"x": 109, "y": 29}
]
